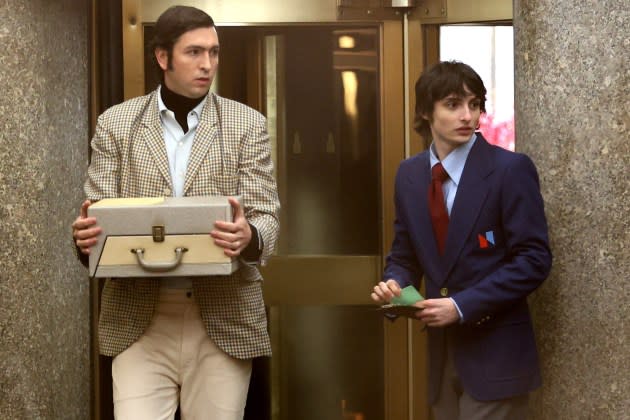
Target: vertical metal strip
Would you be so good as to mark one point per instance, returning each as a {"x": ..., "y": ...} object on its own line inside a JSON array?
[
  {"x": 410, "y": 370},
  {"x": 133, "y": 48},
  {"x": 406, "y": 82}
]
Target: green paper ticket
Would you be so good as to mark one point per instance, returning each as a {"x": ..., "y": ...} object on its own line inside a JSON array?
[{"x": 408, "y": 296}]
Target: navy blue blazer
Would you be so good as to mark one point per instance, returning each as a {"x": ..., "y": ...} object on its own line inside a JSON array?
[{"x": 497, "y": 253}]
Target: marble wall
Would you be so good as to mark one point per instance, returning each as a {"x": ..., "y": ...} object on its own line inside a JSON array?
[
  {"x": 44, "y": 292},
  {"x": 573, "y": 117}
]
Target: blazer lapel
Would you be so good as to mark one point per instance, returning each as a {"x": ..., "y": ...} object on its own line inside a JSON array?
[
  {"x": 471, "y": 194},
  {"x": 153, "y": 137},
  {"x": 207, "y": 132}
]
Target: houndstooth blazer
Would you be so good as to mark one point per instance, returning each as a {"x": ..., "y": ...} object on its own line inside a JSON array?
[{"x": 230, "y": 156}]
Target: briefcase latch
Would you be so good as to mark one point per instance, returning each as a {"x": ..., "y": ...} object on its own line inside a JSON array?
[{"x": 158, "y": 233}]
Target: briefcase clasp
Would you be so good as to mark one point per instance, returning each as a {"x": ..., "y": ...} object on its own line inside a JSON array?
[{"x": 158, "y": 233}]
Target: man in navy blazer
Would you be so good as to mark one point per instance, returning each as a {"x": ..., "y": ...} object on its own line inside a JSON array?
[{"x": 482, "y": 352}]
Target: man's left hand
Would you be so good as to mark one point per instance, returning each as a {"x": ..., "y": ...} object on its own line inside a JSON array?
[
  {"x": 233, "y": 236},
  {"x": 438, "y": 312}
]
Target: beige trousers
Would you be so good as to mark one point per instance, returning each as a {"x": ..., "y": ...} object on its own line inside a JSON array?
[{"x": 176, "y": 363}]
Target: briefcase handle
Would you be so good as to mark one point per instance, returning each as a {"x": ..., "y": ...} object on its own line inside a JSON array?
[{"x": 159, "y": 266}]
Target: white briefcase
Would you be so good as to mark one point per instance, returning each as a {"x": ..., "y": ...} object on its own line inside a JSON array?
[{"x": 162, "y": 236}]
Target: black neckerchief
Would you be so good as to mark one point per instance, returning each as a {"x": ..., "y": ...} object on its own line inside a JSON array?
[{"x": 180, "y": 105}]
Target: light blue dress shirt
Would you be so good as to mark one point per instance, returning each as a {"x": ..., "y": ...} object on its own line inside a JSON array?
[
  {"x": 178, "y": 144},
  {"x": 453, "y": 163}
]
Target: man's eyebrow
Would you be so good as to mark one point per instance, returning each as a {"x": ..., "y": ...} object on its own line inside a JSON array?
[{"x": 201, "y": 47}]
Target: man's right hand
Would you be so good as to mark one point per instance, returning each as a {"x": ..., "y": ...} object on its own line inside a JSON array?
[
  {"x": 384, "y": 292},
  {"x": 84, "y": 230}
]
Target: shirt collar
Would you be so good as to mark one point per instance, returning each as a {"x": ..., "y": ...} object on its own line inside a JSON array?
[
  {"x": 162, "y": 107},
  {"x": 455, "y": 161}
]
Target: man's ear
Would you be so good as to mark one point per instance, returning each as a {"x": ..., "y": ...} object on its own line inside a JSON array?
[{"x": 161, "y": 55}]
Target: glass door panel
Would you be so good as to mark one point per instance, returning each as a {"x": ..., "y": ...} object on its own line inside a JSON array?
[
  {"x": 332, "y": 160},
  {"x": 321, "y": 101}
]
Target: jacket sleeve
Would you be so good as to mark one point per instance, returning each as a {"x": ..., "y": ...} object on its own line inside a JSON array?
[
  {"x": 258, "y": 185},
  {"x": 527, "y": 256}
]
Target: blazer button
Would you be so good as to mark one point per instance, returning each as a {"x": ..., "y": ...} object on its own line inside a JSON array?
[
  {"x": 444, "y": 291},
  {"x": 167, "y": 192}
]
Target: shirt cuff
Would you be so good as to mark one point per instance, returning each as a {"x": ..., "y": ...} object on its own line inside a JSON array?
[
  {"x": 251, "y": 254},
  {"x": 461, "y": 316}
]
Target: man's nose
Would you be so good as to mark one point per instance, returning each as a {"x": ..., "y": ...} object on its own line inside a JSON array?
[
  {"x": 466, "y": 114},
  {"x": 206, "y": 61}
]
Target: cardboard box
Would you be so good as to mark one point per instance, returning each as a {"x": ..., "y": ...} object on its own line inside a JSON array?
[{"x": 159, "y": 237}]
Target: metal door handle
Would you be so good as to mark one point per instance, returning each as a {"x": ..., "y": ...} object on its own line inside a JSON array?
[{"x": 159, "y": 266}]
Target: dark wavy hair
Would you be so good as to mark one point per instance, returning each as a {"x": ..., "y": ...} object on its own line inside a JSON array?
[
  {"x": 440, "y": 81},
  {"x": 173, "y": 23}
]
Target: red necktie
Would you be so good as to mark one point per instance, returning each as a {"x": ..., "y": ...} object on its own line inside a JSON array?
[{"x": 437, "y": 206}]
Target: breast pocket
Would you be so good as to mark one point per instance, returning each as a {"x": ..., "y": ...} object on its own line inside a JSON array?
[
  {"x": 218, "y": 172},
  {"x": 212, "y": 180}
]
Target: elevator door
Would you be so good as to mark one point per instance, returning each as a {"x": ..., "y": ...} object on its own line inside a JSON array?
[
  {"x": 332, "y": 91},
  {"x": 318, "y": 85}
]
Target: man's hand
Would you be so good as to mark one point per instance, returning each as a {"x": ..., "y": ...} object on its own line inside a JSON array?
[
  {"x": 234, "y": 236},
  {"x": 438, "y": 312},
  {"x": 84, "y": 231},
  {"x": 384, "y": 292}
]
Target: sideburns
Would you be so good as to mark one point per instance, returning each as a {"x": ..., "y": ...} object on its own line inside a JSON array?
[{"x": 169, "y": 60}]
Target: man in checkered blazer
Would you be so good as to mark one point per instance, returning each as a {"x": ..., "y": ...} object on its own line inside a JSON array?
[{"x": 185, "y": 342}]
